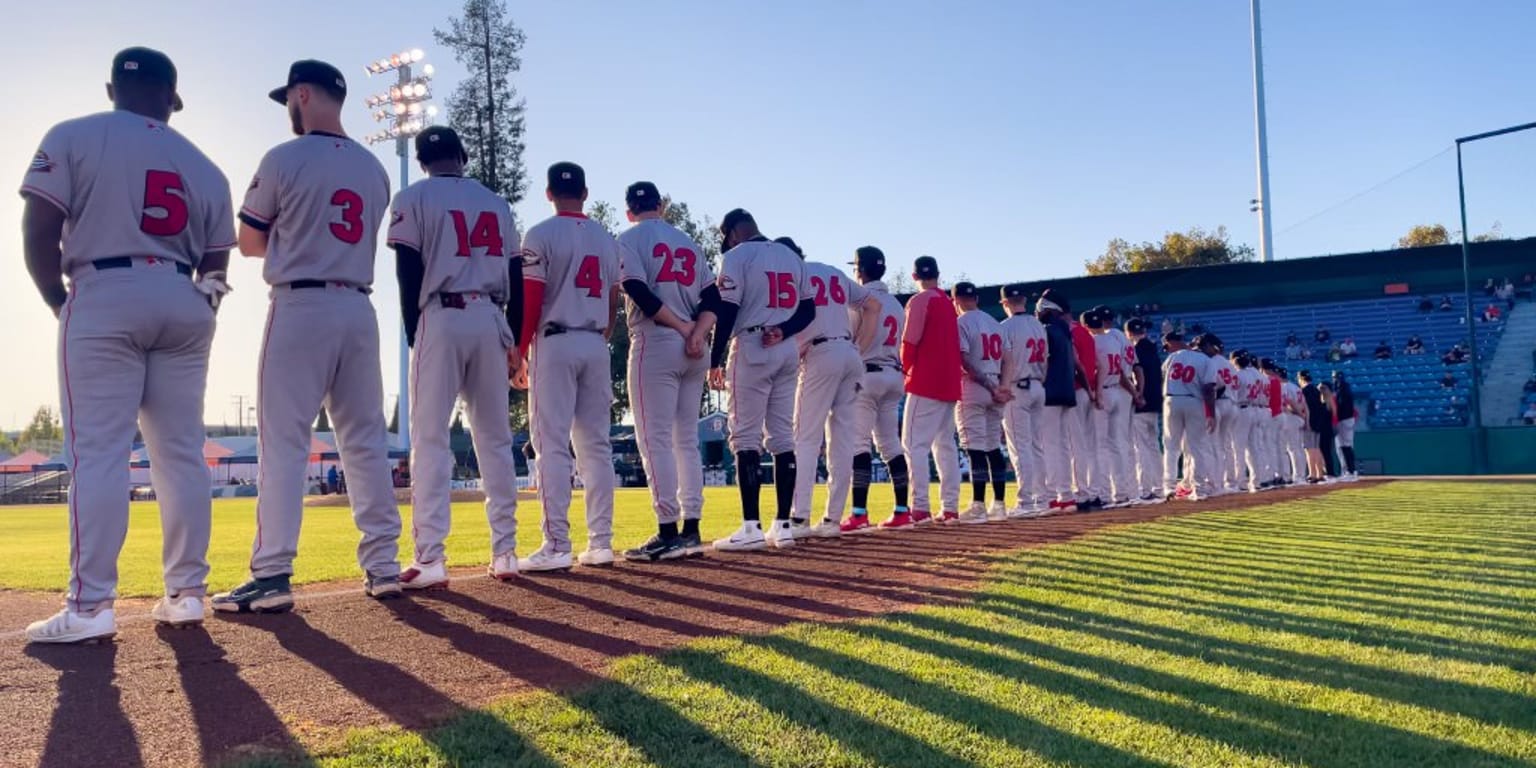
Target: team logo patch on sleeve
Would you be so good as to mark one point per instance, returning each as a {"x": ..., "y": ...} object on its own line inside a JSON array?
[
  {"x": 725, "y": 283},
  {"x": 255, "y": 182},
  {"x": 529, "y": 258},
  {"x": 41, "y": 163},
  {"x": 396, "y": 218}
]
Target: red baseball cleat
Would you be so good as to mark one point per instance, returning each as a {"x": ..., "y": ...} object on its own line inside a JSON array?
[
  {"x": 921, "y": 517},
  {"x": 857, "y": 524},
  {"x": 898, "y": 521},
  {"x": 949, "y": 516}
]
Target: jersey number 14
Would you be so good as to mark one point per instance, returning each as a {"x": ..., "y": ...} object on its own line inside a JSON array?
[{"x": 486, "y": 234}]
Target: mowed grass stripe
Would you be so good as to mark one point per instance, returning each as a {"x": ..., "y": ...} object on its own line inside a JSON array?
[{"x": 1180, "y": 642}]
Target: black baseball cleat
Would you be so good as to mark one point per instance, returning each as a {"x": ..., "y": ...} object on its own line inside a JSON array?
[
  {"x": 382, "y": 587},
  {"x": 693, "y": 546},
  {"x": 268, "y": 595},
  {"x": 656, "y": 548}
]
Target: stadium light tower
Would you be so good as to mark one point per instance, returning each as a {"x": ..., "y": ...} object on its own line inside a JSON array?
[
  {"x": 1474, "y": 399},
  {"x": 404, "y": 112},
  {"x": 1261, "y": 204}
]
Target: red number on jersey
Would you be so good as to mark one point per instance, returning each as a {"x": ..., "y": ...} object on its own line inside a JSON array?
[
  {"x": 1227, "y": 379},
  {"x": 1181, "y": 372},
  {"x": 991, "y": 346},
  {"x": 1116, "y": 366},
  {"x": 839, "y": 295},
  {"x": 350, "y": 229},
  {"x": 590, "y": 276},
  {"x": 160, "y": 191},
  {"x": 829, "y": 291},
  {"x": 890, "y": 327},
  {"x": 487, "y": 233},
  {"x": 781, "y": 290},
  {"x": 1036, "y": 349},
  {"x": 680, "y": 266}
]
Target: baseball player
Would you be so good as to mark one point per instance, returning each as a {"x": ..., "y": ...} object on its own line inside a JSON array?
[
  {"x": 930, "y": 364},
  {"x": 461, "y": 289},
  {"x": 313, "y": 213},
  {"x": 1089, "y": 480},
  {"x": 1115, "y": 359},
  {"x": 1344, "y": 396},
  {"x": 570, "y": 302},
  {"x": 1059, "y": 420},
  {"x": 668, "y": 284},
  {"x": 826, "y": 399},
  {"x": 1293, "y": 425},
  {"x": 983, "y": 398},
  {"x": 134, "y": 330},
  {"x": 878, "y": 406},
  {"x": 1226, "y": 446},
  {"x": 765, "y": 300},
  {"x": 1276, "y": 457},
  {"x": 1024, "y": 364},
  {"x": 1189, "y": 416},
  {"x": 1146, "y": 429},
  {"x": 1246, "y": 430}
]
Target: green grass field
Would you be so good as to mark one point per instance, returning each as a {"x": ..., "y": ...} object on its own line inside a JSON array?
[
  {"x": 1390, "y": 626},
  {"x": 34, "y": 552}
]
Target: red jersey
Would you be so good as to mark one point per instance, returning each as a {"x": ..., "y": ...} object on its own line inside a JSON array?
[
  {"x": 1275, "y": 398},
  {"x": 932, "y": 334},
  {"x": 1087, "y": 354}
]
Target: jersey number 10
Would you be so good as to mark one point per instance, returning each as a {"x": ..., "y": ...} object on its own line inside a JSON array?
[{"x": 991, "y": 346}]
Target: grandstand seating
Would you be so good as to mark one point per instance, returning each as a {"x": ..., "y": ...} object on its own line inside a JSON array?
[{"x": 1406, "y": 390}]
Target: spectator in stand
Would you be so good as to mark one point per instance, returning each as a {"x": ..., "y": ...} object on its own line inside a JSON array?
[
  {"x": 1448, "y": 381},
  {"x": 1383, "y": 350},
  {"x": 1506, "y": 293},
  {"x": 1445, "y": 304},
  {"x": 1291, "y": 338},
  {"x": 1415, "y": 346},
  {"x": 1490, "y": 288},
  {"x": 1348, "y": 348},
  {"x": 1530, "y": 384},
  {"x": 1458, "y": 354},
  {"x": 1530, "y": 413},
  {"x": 1292, "y": 350},
  {"x": 1335, "y": 354},
  {"x": 1322, "y": 336},
  {"x": 1425, "y": 304},
  {"x": 1492, "y": 313}
]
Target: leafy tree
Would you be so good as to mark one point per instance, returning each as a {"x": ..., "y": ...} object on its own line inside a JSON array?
[
  {"x": 704, "y": 232},
  {"x": 1195, "y": 248},
  {"x": 1424, "y": 235},
  {"x": 43, "y": 430},
  {"x": 1496, "y": 232},
  {"x": 484, "y": 108}
]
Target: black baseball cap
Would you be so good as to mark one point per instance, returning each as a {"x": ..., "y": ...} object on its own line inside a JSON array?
[
  {"x": 868, "y": 256},
  {"x": 964, "y": 290},
  {"x": 1209, "y": 340},
  {"x": 1135, "y": 325},
  {"x": 733, "y": 218},
  {"x": 789, "y": 242},
  {"x": 146, "y": 65},
  {"x": 642, "y": 196},
  {"x": 1172, "y": 336},
  {"x": 312, "y": 72},
  {"x": 926, "y": 268},
  {"x": 439, "y": 142},
  {"x": 1103, "y": 312},
  {"x": 566, "y": 179},
  {"x": 1015, "y": 291}
]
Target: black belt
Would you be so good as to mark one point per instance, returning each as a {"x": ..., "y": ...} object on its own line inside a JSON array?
[
  {"x": 1024, "y": 383},
  {"x": 819, "y": 340},
  {"x": 302, "y": 284},
  {"x": 126, "y": 262},
  {"x": 556, "y": 330},
  {"x": 755, "y": 329},
  {"x": 873, "y": 368},
  {"x": 457, "y": 300},
  {"x": 1243, "y": 405}
]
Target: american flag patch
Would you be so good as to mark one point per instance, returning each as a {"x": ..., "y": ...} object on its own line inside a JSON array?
[{"x": 40, "y": 163}]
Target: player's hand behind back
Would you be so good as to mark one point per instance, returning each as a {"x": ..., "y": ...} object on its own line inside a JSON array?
[
  {"x": 772, "y": 335},
  {"x": 717, "y": 378}
]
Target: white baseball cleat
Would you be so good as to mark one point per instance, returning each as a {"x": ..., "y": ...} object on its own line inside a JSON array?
[
  {"x": 998, "y": 512},
  {"x": 178, "y": 611},
  {"x": 746, "y": 538},
  {"x": 425, "y": 575},
  {"x": 503, "y": 566},
  {"x": 595, "y": 557},
  {"x": 826, "y": 529},
  {"x": 974, "y": 515},
  {"x": 1025, "y": 513},
  {"x": 66, "y": 626},
  {"x": 800, "y": 529},
  {"x": 545, "y": 559},
  {"x": 780, "y": 534}
]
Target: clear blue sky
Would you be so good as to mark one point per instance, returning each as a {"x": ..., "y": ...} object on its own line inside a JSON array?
[{"x": 1010, "y": 139}]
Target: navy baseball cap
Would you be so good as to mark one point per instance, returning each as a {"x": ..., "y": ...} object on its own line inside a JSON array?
[
  {"x": 868, "y": 256},
  {"x": 1015, "y": 291},
  {"x": 963, "y": 290},
  {"x": 566, "y": 179},
  {"x": 1103, "y": 312},
  {"x": 1135, "y": 325},
  {"x": 733, "y": 218},
  {"x": 790, "y": 243},
  {"x": 439, "y": 142},
  {"x": 146, "y": 65},
  {"x": 1173, "y": 336},
  {"x": 926, "y": 268},
  {"x": 316, "y": 73},
  {"x": 642, "y": 196}
]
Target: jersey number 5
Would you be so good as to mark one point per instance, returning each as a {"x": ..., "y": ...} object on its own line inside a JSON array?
[
  {"x": 590, "y": 276},
  {"x": 164, "y": 190},
  {"x": 781, "y": 290},
  {"x": 350, "y": 229},
  {"x": 487, "y": 233}
]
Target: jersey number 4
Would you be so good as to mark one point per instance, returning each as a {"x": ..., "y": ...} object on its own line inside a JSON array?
[
  {"x": 781, "y": 290},
  {"x": 680, "y": 266},
  {"x": 589, "y": 275},
  {"x": 164, "y": 190},
  {"x": 486, "y": 234}
]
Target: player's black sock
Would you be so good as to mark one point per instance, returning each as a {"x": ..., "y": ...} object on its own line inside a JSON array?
[
  {"x": 784, "y": 481},
  {"x": 749, "y": 482},
  {"x": 691, "y": 527},
  {"x": 862, "y": 464},
  {"x": 899, "y": 479},
  {"x": 999, "y": 467},
  {"x": 980, "y": 474},
  {"x": 1349, "y": 458},
  {"x": 667, "y": 530}
]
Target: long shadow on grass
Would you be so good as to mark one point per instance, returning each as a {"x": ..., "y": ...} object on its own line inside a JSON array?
[
  {"x": 734, "y": 609},
  {"x": 226, "y": 710},
  {"x": 401, "y": 696},
  {"x": 1301, "y": 735},
  {"x": 1451, "y": 696},
  {"x": 646, "y": 723},
  {"x": 89, "y": 726},
  {"x": 647, "y": 613},
  {"x": 913, "y": 590}
]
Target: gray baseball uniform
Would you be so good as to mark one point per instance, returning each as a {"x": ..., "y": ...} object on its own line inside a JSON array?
[
  {"x": 1115, "y": 356},
  {"x": 826, "y": 400},
  {"x": 572, "y": 391},
  {"x": 465, "y": 234},
  {"x": 978, "y": 417},
  {"x": 1024, "y": 348},
  {"x": 878, "y": 407},
  {"x": 766, "y": 281},
  {"x": 666, "y": 386},
  {"x": 320, "y": 198},
  {"x": 142, "y": 206},
  {"x": 1185, "y": 374},
  {"x": 1229, "y": 456},
  {"x": 1249, "y": 391}
]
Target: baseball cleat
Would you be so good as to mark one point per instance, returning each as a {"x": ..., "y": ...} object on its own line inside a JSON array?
[
  {"x": 780, "y": 534},
  {"x": 899, "y": 521},
  {"x": 503, "y": 567},
  {"x": 1025, "y": 513},
  {"x": 746, "y": 538},
  {"x": 947, "y": 517},
  {"x": 178, "y": 611},
  {"x": 693, "y": 546},
  {"x": 544, "y": 559},
  {"x": 800, "y": 529},
  {"x": 974, "y": 515},
  {"x": 657, "y": 548},
  {"x": 826, "y": 529},
  {"x": 998, "y": 512},
  {"x": 595, "y": 557},
  {"x": 922, "y": 517},
  {"x": 1059, "y": 506},
  {"x": 858, "y": 524},
  {"x": 66, "y": 626},
  {"x": 268, "y": 595},
  {"x": 382, "y": 587},
  {"x": 425, "y": 575}
]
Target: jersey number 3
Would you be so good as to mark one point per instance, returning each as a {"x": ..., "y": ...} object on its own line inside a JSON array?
[
  {"x": 350, "y": 229},
  {"x": 164, "y": 190}
]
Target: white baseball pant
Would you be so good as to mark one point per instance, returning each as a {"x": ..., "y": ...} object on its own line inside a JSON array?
[
  {"x": 877, "y": 412},
  {"x": 1293, "y": 461},
  {"x": 665, "y": 390},
  {"x": 980, "y": 425},
  {"x": 1184, "y": 432},
  {"x": 1112, "y": 438},
  {"x": 1245, "y": 444},
  {"x": 825, "y": 403},
  {"x": 1021, "y": 425},
  {"x": 569, "y": 405},
  {"x": 761, "y": 381},
  {"x": 925, "y": 422},
  {"x": 461, "y": 353},
  {"x": 1229, "y": 456},
  {"x": 1146, "y": 433}
]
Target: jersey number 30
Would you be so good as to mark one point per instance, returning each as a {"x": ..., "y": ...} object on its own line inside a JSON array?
[{"x": 1181, "y": 372}]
